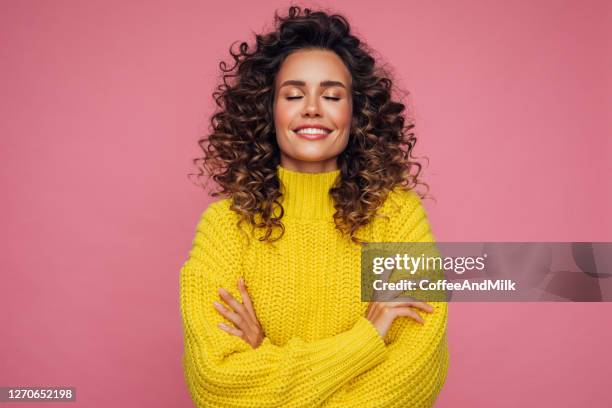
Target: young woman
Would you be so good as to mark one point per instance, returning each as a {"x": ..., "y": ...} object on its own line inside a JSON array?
[{"x": 312, "y": 157}]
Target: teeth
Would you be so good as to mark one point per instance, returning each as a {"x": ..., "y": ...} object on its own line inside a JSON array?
[{"x": 312, "y": 131}]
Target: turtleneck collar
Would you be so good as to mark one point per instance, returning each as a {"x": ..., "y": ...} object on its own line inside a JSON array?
[{"x": 306, "y": 195}]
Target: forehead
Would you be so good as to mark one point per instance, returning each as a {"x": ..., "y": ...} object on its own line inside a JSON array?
[{"x": 312, "y": 67}]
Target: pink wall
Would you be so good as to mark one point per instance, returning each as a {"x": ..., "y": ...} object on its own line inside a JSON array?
[{"x": 102, "y": 104}]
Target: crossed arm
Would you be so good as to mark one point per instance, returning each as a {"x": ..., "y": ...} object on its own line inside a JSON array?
[
  {"x": 353, "y": 368},
  {"x": 407, "y": 377}
]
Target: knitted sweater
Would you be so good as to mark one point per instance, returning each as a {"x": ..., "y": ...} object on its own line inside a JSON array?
[{"x": 319, "y": 349}]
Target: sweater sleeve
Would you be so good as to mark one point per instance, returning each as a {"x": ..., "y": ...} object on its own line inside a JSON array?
[
  {"x": 417, "y": 355},
  {"x": 223, "y": 370}
]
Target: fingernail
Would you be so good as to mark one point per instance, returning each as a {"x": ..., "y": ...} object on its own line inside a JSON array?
[
  {"x": 222, "y": 326},
  {"x": 217, "y": 304},
  {"x": 221, "y": 290}
]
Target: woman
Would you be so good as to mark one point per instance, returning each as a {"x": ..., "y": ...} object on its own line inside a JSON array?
[{"x": 313, "y": 158}]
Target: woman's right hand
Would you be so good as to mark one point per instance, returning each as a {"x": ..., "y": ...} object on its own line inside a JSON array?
[{"x": 382, "y": 314}]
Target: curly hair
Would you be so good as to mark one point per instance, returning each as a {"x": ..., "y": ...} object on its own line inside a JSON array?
[{"x": 241, "y": 153}]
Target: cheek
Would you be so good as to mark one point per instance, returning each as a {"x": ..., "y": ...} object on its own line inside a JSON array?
[
  {"x": 342, "y": 115},
  {"x": 283, "y": 114}
]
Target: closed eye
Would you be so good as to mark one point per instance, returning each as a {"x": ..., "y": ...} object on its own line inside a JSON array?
[{"x": 330, "y": 98}]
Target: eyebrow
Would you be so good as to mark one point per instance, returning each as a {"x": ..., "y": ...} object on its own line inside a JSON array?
[{"x": 323, "y": 84}]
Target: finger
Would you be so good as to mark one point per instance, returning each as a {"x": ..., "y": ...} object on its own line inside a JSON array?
[
  {"x": 418, "y": 305},
  {"x": 405, "y": 295},
  {"x": 233, "y": 317},
  {"x": 231, "y": 302},
  {"x": 408, "y": 312},
  {"x": 241, "y": 319},
  {"x": 231, "y": 330},
  {"x": 422, "y": 306},
  {"x": 372, "y": 309},
  {"x": 426, "y": 307},
  {"x": 246, "y": 299}
]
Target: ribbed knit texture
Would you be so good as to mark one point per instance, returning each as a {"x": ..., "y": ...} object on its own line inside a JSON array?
[{"x": 319, "y": 348}]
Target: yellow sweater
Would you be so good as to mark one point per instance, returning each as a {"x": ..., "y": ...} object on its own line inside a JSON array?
[{"x": 319, "y": 349}]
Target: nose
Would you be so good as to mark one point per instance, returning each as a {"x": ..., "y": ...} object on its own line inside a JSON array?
[{"x": 312, "y": 108}]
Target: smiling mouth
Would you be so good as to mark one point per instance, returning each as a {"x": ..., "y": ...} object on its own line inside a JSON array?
[{"x": 312, "y": 131}]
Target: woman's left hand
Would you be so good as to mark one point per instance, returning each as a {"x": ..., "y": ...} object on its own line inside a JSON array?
[{"x": 247, "y": 327}]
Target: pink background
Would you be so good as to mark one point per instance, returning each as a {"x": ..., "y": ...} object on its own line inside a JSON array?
[{"x": 103, "y": 102}]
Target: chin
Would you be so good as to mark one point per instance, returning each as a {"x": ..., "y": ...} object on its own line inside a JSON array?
[{"x": 311, "y": 158}]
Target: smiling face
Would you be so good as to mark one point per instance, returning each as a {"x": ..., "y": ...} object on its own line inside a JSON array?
[{"x": 312, "y": 110}]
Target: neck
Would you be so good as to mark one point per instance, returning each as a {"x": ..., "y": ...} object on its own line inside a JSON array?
[
  {"x": 288, "y": 163},
  {"x": 306, "y": 195}
]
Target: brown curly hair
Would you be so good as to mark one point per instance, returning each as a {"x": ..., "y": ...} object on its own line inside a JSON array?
[{"x": 241, "y": 153}]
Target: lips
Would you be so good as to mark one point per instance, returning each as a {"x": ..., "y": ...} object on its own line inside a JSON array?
[
  {"x": 311, "y": 125},
  {"x": 312, "y": 132}
]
